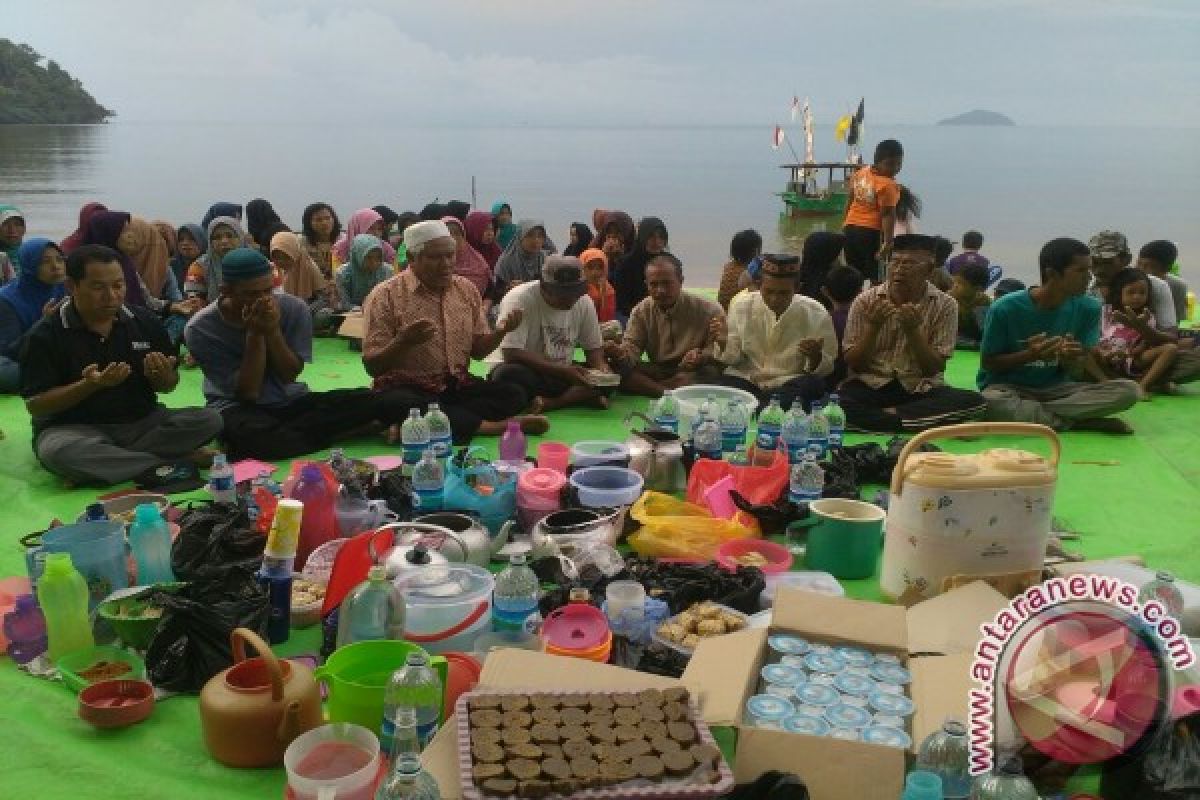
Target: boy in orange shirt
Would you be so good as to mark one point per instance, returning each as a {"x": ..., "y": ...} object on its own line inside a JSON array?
[{"x": 871, "y": 213}]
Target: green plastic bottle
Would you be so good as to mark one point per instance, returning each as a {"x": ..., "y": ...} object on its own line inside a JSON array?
[{"x": 63, "y": 595}]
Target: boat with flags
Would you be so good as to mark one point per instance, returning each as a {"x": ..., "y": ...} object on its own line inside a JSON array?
[{"x": 819, "y": 188}]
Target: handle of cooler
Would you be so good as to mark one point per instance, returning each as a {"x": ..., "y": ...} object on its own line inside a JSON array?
[
  {"x": 973, "y": 429},
  {"x": 467, "y": 622}
]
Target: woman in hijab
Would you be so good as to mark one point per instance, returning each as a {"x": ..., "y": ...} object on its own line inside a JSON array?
[
  {"x": 262, "y": 223},
  {"x": 595, "y": 272},
  {"x": 106, "y": 227},
  {"x": 616, "y": 235},
  {"x": 191, "y": 242},
  {"x": 302, "y": 278},
  {"x": 12, "y": 232},
  {"x": 818, "y": 256},
  {"x": 85, "y": 216},
  {"x": 36, "y": 292},
  {"x": 630, "y": 280},
  {"x": 225, "y": 234},
  {"x": 222, "y": 209},
  {"x": 389, "y": 220},
  {"x": 581, "y": 239},
  {"x": 366, "y": 270},
  {"x": 481, "y": 234},
  {"x": 523, "y": 258},
  {"x": 365, "y": 220},
  {"x": 167, "y": 231},
  {"x": 458, "y": 209},
  {"x": 468, "y": 263},
  {"x": 321, "y": 227},
  {"x": 505, "y": 229}
]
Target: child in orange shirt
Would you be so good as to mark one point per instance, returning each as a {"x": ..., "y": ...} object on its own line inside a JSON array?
[{"x": 871, "y": 212}]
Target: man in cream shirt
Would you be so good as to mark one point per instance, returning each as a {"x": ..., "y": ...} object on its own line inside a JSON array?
[{"x": 777, "y": 342}]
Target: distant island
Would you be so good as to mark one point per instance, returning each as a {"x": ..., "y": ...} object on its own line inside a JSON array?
[
  {"x": 979, "y": 117},
  {"x": 47, "y": 95}
]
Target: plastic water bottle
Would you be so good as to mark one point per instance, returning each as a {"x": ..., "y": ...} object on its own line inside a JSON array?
[
  {"x": 735, "y": 422},
  {"x": 220, "y": 481},
  {"x": 794, "y": 433},
  {"x": 428, "y": 482},
  {"x": 414, "y": 439},
  {"x": 770, "y": 421},
  {"x": 515, "y": 598},
  {"x": 373, "y": 610},
  {"x": 408, "y": 780},
  {"x": 318, "y": 524},
  {"x": 764, "y": 450},
  {"x": 513, "y": 448},
  {"x": 945, "y": 754},
  {"x": 807, "y": 481},
  {"x": 666, "y": 412},
  {"x": 63, "y": 595},
  {"x": 837, "y": 421},
  {"x": 1006, "y": 783},
  {"x": 414, "y": 687},
  {"x": 818, "y": 431},
  {"x": 1164, "y": 590},
  {"x": 441, "y": 438},
  {"x": 151, "y": 542},
  {"x": 740, "y": 456},
  {"x": 707, "y": 439}
]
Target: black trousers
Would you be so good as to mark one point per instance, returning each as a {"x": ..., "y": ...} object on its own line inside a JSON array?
[
  {"x": 941, "y": 405},
  {"x": 534, "y": 383},
  {"x": 468, "y": 406},
  {"x": 805, "y": 388},
  {"x": 861, "y": 248},
  {"x": 309, "y": 423}
]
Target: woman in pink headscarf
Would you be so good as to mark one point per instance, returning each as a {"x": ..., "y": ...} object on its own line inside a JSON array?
[
  {"x": 468, "y": 263},
  {"x": 481, "y": 234},
  {"x": 365, "y": 220},
  {"x": 85, "y": 216}
]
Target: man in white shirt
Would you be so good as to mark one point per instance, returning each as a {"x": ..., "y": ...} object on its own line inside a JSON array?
[
  {"x": 777, "y": 342},
  {"x": 556, "y": 317}
]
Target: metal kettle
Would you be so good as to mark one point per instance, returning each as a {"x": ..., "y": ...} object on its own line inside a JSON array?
[{"x": 657, "y": 455}]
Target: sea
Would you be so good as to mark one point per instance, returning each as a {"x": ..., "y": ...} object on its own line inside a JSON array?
[{"x": 1019, "y": 186}]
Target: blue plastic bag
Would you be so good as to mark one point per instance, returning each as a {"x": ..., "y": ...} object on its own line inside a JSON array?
[{"x": 474, "y": 485}]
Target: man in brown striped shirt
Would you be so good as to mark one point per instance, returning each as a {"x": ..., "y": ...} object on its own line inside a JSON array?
[{"x": 899, "y": 337}]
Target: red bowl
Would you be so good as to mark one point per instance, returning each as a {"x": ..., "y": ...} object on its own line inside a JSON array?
[
  {"x": 779, "y": 558},
  {"x": 116, "y": 703}
]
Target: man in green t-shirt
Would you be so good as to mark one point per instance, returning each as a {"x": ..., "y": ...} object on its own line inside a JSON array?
[{"x": 1034, "y": 340}]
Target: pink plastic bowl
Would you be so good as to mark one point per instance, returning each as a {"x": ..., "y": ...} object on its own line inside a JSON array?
[{"x": 778, "y": 557}]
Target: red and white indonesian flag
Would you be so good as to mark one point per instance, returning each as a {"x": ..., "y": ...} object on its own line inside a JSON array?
[{"x": 777, "y": 139}]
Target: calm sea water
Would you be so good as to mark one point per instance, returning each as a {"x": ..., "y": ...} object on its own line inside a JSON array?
[{"x": 1020, "y": 186}]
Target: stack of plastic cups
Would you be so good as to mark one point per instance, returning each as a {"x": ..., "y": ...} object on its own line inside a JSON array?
[
  {"x": 539, "y": 492},
  {"x": 578, "y": 630},
  {"x": 278, "y": 560}
]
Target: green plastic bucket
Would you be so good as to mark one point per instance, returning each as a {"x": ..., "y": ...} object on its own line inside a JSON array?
[
  {"x": 356, "y": 677},
  {"x": 844, "y": 537}
]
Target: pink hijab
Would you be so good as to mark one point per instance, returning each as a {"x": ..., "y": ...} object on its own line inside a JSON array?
[
  {"x": 475, "y": 224},
  {"x": 467, "y": 261},
  {"x": 360, "y": 222}
]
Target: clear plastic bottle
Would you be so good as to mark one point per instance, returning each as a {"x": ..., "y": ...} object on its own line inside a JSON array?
[
  {"x": 707, "y": 438},
  {"x": 735, "y": 423},
  {"x": 373, "y": 610},
  {"x": 770, "y": 421},
  {"x": 414, "y": 439},
  {"x": 407, "y": 780},
  {"x": 794, "y": 433},
  {"x": 1164, "y": 590},
  {"x": 666, "y": 412},
  {"x": 150, "y": 539},
  {"x": 945, "y": 753},
  {"x": 428, "y": 482},
  {"x": 515, "y": 598},
  {"x": 513, "y": 447},
  {"x": 417, "y": 687},
  {"x": 441, "y": 438},
  {"x": 818, "y": 431},
  {"x": 740, "y": 457},
  {"x": 63, "y": 595},
  {"x": 837, "y": 421},
  {"x": 807, "y": 481},
  {"x": 220, "y": 481},
  {"x": 1006, "y": 783}
]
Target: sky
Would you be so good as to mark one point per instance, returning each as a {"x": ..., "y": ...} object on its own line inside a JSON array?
[{"x": 620, "y": 62}]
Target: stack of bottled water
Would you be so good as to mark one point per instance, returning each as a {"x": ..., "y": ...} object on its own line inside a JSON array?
[
  {"x": 837, "y": 421},
  {"x": 414, "y": 439},
  {"x": 807, "y": 480},
  {"x": 428, "y": 482},
  {"x": 770, "y": 423},
  {"x": 441, "y": 438},
  {"x": 735, "y": 423},
  {"x": 665, "y": 412},
  {"x": 818, "y": 431},
  {"x": 706, "y": 432},
  {"x": 794, "y": 433},
  {"x": 842, "y": 692}
]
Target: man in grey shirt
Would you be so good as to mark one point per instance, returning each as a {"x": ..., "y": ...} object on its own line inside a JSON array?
[{"x": 252, "y": 343}]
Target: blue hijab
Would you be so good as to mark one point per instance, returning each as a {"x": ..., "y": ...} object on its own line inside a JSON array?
[
  {"x": 200, "y": 237},
  {"x": 28, "y": 295}
]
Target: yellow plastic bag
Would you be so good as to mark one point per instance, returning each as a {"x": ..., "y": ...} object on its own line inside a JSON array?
[{"x": 674, "y": 528}]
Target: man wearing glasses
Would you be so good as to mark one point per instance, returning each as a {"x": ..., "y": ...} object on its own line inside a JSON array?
[{"x": 899, "y": 336}]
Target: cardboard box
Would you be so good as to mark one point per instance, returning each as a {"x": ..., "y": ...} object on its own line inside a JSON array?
[
  {"x": 935, "y": 639},
  {"x": 524, "y": 669},
  {"x": 352, "y": 326}
]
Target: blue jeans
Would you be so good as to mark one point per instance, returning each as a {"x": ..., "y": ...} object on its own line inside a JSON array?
[{"x": 10, "y": 375}]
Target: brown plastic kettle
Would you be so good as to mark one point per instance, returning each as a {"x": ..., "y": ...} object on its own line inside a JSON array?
[{"x": 252, "y": 711}]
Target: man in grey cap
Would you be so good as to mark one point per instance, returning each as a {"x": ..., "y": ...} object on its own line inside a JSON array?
[{"x": 556, "y": 317}]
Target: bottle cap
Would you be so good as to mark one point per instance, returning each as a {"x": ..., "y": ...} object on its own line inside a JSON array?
[
  {"x": 311, "y": 473},
  {"x": 58, "y": 564},
  {"x": 147, "y": 512}
]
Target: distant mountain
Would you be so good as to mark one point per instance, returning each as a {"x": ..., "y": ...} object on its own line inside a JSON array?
[
  {"x": 32, "y": 93},
  {"x": 979, "y": 117}
]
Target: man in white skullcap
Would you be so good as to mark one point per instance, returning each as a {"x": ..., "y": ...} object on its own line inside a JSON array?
[{"x": 423, "y": 327}]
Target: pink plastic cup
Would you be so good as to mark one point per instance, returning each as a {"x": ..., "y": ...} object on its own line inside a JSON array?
[{"x": 554, "y": 455}]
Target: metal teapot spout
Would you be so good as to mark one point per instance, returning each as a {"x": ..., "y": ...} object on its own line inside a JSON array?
[{"x": 629, "y": 419}]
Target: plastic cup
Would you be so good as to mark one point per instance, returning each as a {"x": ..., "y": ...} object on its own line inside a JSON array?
[
  {"x": 339, "y": 757},
  {"x": 554, "y": 455},
  {"x": 626, "y": 603}
]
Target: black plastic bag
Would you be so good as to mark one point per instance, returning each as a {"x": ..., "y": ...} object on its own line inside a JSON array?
[
  {"x": 771, "y": 785},
  {"x": 1168, "y": 768},
  {"x": 214, "y": 536},
  {"x": 396, "y": 489},
  {"x": 681, "y": 586},
  {"x": 192, "y": 642},
  {"x": 772, "y": 519}
]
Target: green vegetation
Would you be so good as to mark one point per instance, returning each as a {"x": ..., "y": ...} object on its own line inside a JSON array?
[{"x": 34, "y": 94}]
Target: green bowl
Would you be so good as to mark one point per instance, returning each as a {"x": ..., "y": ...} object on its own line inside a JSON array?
[
  {"x": 71, "y": 664},
  {"x": 126, "y": 616}
]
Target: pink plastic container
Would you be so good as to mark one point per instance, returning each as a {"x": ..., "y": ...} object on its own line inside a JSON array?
[
  {"x": 718, "y": 500},
  {"x": 779, "y": 559},
  {"x": 539, "y": 492},
  {"x": 553, "y": 455}
]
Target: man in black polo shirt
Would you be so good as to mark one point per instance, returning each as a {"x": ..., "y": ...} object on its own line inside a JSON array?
[{"x": 90, "y": 376}]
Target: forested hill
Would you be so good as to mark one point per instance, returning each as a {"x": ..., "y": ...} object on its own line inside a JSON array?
[{"x": 32, "y": 93}]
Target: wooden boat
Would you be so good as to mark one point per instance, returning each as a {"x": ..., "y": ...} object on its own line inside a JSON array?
[{"x": 817, "y": 189}]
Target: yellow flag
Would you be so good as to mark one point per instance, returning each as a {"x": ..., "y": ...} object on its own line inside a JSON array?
[{"x": 843, "y": 125}]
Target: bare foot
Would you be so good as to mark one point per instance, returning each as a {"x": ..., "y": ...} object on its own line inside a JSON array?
[
  {"x": 1172, "y": 388},
  {"x": 1113, "y": 425},
  {"x": 392, "y": 434},
  {"x": 537, "y": 405},
  {"x": 533, "y": 423},
  {"x": 600, "y": 402}
]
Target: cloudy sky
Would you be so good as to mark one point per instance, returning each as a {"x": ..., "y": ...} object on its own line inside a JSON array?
[{"x": 564, "y": 62}]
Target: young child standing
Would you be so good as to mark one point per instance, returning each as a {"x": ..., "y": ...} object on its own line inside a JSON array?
[
  {"x": 841, "y": 286},
  {"x": 870, "y": 223},
  {"x": 967, "y": 290},
  {"x": 1130, "y": 346}
]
